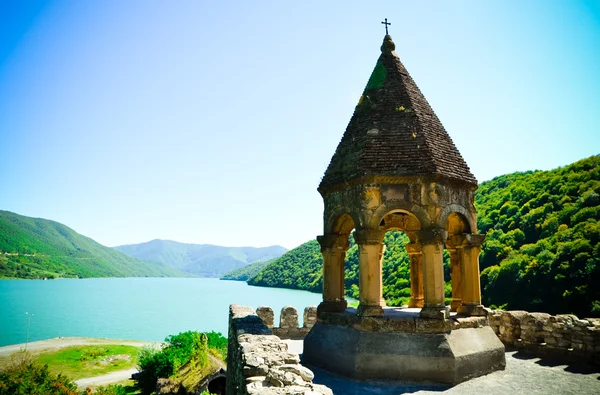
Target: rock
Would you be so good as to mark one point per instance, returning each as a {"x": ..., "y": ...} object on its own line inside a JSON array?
[
  {"x": 266, "y": 314},
  {"x": 280, "y": 378},
  {"x": 310, "y": 316},
  {"x": 291, "y": 358},
  {"x": 288, "y": 318},
  {"x": 302, "y": 371},
  {"x": 581, "y": 323},
  {"x": 166, "y": 387}
]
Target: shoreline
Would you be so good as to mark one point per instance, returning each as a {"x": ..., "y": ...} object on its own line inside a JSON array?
[{"x": 62, "y": 342}]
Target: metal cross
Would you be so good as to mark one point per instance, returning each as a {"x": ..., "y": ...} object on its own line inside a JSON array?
[{"x": 386, "y": 23}]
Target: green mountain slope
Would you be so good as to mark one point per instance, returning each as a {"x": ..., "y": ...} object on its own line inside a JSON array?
[
  {"x": 204, "y": 260},
  {"x": 542, "y": 247},
  {"x": 247, "y": 272},
  {"x": 38, "y": 248},
  {"x": 541, "y": 253}
]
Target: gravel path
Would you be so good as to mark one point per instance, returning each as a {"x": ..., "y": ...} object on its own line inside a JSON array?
[
  {"x": 113, "y": 377},
  {"x": 523, "y": 375}
]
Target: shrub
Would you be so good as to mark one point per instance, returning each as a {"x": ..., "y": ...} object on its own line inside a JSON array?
[
  {"x": 187, "y": 347},
  {"x": 24, "y": 377}
]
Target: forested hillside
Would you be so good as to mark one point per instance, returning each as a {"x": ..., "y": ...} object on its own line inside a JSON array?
[
  {"x": 39, "y": 248},
  {"x": 205, "y": 260},
  {"x": 247, "y": 272},
  {"x": 542, "y": 247},
  {"x": 541, "y": 253}
]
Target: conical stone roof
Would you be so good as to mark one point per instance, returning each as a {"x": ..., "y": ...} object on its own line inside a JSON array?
[{"x": 394, "y": 132}]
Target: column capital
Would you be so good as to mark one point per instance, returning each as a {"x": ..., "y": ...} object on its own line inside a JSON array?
[
  {"x": 413, "y": 248},
  {"x": 432, "y": 236},
  {"x": 333, "y": 241},
  {"x": 455, "y": 241},
  {"x": 473, "y": 240},
  {"x": 465, "y": 240},
  {"x": 369, "y": 236}
]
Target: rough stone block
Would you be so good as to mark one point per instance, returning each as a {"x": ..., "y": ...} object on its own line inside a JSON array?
[
  {"x": 581, "y": 323},
  {"x": 310, "y": 316},
  {"x": 563, "y": 343},
  {"x": 267, "y": 315},
  {"x": 288, "y": 318}
]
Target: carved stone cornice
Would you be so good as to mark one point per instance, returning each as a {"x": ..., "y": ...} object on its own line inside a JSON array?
[
  {"x": 473, "y": 240},
  {"x": 413, "y": 248},
  {"x": 434, "y": 235},
  {"x": 465, "y": 240},
  {"x": 369, "y": 236},
  {"x": 325, "y": 190},
  {"x": 333, "y": 241},
  {"x": 455, "y": 241}
]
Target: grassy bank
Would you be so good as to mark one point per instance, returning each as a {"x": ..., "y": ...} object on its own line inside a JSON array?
[{"x": 78, "y": 362}]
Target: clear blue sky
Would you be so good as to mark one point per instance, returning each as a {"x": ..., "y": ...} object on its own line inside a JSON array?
[{"x": 213, "y": 122}]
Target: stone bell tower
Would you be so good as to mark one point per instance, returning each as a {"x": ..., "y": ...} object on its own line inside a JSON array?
[{"x": 396, "y": 168}]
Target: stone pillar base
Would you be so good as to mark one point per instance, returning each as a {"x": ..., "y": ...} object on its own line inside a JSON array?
[
  {"x": 473, "y": 310},
  {"x": 369, "y": 311},
  {"x": 435, "y": 312},
  {"x": 455, "y": 304},
  {"x": 416, "y": 302},
  {"x": 449, "y": 358},
  {"x": 332, "y": 306}
]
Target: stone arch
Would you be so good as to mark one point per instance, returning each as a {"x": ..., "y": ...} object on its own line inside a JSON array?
[
  {"x": 407, "y": 222},
  {"x": 399, "y": 206},
  {"x": 343, "y": 224},
  {"x": 452, "y": 211},
  {"x": 340, "y": 221}
]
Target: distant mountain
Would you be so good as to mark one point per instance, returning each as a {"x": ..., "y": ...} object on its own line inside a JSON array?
[
  {"x": 247, "y": 272},
  {"x": 204, "y": 260},
  {"x": 40, "y": 248}
]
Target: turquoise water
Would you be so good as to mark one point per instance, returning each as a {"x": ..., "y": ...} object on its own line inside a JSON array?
[{"x": 130, "y": 308}]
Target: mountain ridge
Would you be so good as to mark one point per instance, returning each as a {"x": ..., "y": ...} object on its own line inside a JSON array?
[
  {"x": 205, "y": 260},
  {"x": 42, "y": 248}
]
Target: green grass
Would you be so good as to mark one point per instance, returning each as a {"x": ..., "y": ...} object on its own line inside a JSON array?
[
  {"x": 129, "y": 385},
  {"x": 78, "y": 362}
]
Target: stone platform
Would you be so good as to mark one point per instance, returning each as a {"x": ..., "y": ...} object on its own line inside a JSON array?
[{"x": 402, "y": 346}]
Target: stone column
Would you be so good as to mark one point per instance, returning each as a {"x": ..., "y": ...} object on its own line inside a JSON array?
[
  {"x": 370, "y": 248},
  {"x": 471, "y": 286},
  {"x": 333, "y": 248},
  {"x": 416, "y": 275},
  {"x": 432, "y": 245},
  {"x": 454, "y": 246}
]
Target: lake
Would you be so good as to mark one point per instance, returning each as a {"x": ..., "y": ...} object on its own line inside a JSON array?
[{"x": 130, "y": 308}]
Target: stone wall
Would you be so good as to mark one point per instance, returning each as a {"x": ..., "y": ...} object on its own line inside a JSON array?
[
  {"x": 288, "y": 321},
  {"x": 561, "y": 336},
  {"x": 565, "y": 337},
  {"x": 259, "y": 362}
]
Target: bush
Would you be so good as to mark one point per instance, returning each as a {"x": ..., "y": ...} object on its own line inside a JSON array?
[
  {"x": 218, "y": 342},
  {"x": 187, "y": 347},
  {"x": 24, "y": 377}
]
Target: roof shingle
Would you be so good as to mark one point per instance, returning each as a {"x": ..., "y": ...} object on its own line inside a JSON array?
[{"x": 394, "y": 132}]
